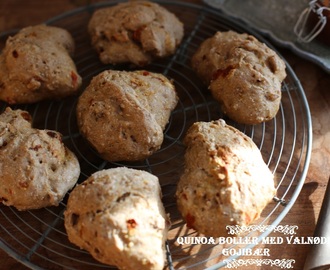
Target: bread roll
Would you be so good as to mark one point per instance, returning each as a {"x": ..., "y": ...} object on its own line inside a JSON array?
[
  {"x": 122, "y": 221},
  {"x": 36, "y": 169},
  {"x": 123, "y": 114},
  {"x": 243, "y": 74},
  {"x": 134, "y": 32},
  {"x": 36, "y": 65},
  {"x": 225, "y": 181}
]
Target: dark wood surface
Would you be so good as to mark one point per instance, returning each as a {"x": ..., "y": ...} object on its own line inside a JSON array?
[{"x": 316, "y": 83}]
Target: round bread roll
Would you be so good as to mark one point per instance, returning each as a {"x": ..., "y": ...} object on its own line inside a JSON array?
[
  {"x": 134, "y": 32},
  {"x": 243, "y": 74},
  {"x": 36, "y": 169},
  {"x": 225, "y": 181},
  {"x": 123, "y": 114},
  {"x": 122, "y": 221},
  {"x": 36, "y": 65}
]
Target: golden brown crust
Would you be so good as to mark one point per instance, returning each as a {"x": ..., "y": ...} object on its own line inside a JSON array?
[
  {"x": 36, "y": 64},
  {"x": 225, "y": 181},
  {"x": 134, "y": 32},
  {"x": 36, "y": 169},
  {"x": 123, "y": 114},
  {"x": 122, "y": 221},
  {"x": 243, "y": 74}
]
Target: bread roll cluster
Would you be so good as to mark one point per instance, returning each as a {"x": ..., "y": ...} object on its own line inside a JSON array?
[{"x": 123, "y": 115}]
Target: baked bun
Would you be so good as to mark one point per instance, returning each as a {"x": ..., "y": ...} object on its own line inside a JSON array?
[
  {"x": 36, "y": 65},
  {"x": 225, "y": 181},
  {"x": 122, "y": 221},
  {"x": 134, "y": 32},
  {"x": 36, "y": 169},
  {"x": 243, "y": 74},
  {"x": 123, "y": 114}
]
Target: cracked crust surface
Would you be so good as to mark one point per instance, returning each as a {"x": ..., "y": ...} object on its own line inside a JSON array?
[
  {"x": 36, "y": 169},
  {"x": 243, "y": 74},
  {"x": 225, "y": 181},
  {"x": 123, "y": 114},
  {"x": 122, "y": 221},
  {"x": 36, "y": 64},
  {"x": 134, "y": 32}
]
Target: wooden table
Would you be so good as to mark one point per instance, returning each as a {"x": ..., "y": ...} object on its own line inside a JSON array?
[{"x": 315, "y": 81}]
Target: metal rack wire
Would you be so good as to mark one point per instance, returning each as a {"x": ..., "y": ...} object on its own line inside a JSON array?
[{"x": 37, "y": 238}]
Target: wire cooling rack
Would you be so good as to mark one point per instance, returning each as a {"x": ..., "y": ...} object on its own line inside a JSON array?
[{"x": 38, "y": 239}]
